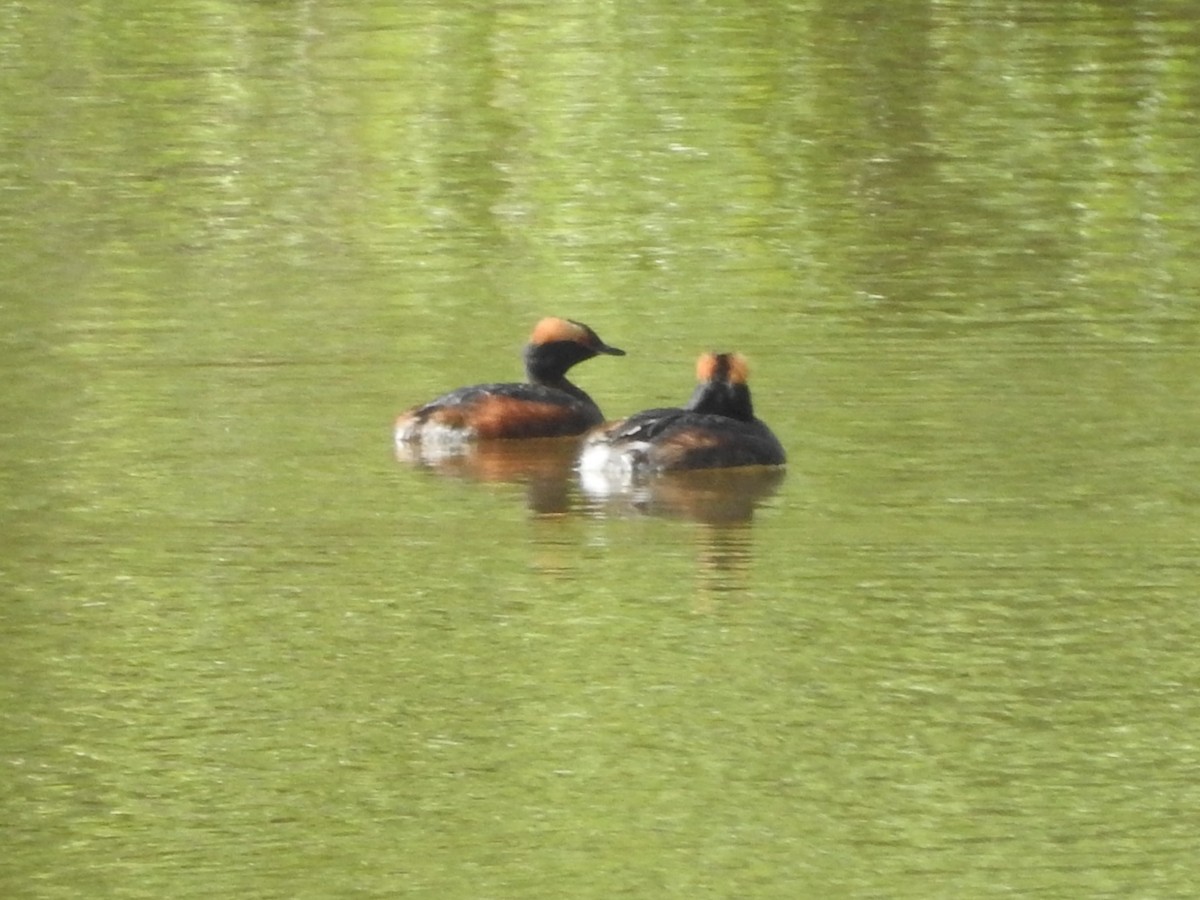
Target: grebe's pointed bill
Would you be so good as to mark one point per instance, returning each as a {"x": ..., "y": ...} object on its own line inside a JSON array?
[
  {"x": 593, "y": 341},
  {"x": 553, "y": 330}
]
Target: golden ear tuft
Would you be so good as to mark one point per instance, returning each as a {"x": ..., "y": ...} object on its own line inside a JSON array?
[
  {"x": 739, "y": 369},
  {"x": 708, "y": 367},
  {"x": 730, "y": 367},
  {"x": 553, "y": 329}
]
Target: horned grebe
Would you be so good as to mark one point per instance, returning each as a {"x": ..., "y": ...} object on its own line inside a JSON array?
[
  {"x": 547, "y": 406},
  {"x": 715, "y": 430}
]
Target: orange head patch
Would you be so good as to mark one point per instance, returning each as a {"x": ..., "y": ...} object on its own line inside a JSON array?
[
  {"x": 553, "y": 329},
  {"x": 730, "y": 367},
  {"x": 739, "y": 369}
]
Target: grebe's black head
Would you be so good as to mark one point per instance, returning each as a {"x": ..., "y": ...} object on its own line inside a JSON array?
[
  {"x": 557, "y": 344},
  {"x": 722, "y": 390}
]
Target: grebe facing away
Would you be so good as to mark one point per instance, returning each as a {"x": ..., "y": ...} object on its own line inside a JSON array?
[
  {"x": 715, "y": 430},
  {"x": 547, "y": 406}
]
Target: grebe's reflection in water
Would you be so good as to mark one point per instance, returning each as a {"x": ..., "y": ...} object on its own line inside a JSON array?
[
  {"x": 721, "y": 503},
  {"x": 543, "y": 465},
  {"x": 547, "y": 469},
  {"x": 708, "y": 496}
]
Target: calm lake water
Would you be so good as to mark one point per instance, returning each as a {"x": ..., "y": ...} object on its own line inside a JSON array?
[{"x": 251, "y": 653}]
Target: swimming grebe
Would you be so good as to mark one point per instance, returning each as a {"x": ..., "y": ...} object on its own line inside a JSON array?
[
  {"x": 547, "y": 406},
  {"x": 715, "y": 430}
]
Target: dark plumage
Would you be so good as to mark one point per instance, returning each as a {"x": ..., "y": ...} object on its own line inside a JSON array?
[
  {"x": 547, "y": 406},
  {"x": 715, "y": 429}
]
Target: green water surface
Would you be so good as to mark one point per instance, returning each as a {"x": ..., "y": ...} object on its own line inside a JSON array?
[{"x": 250, "y": 653}]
